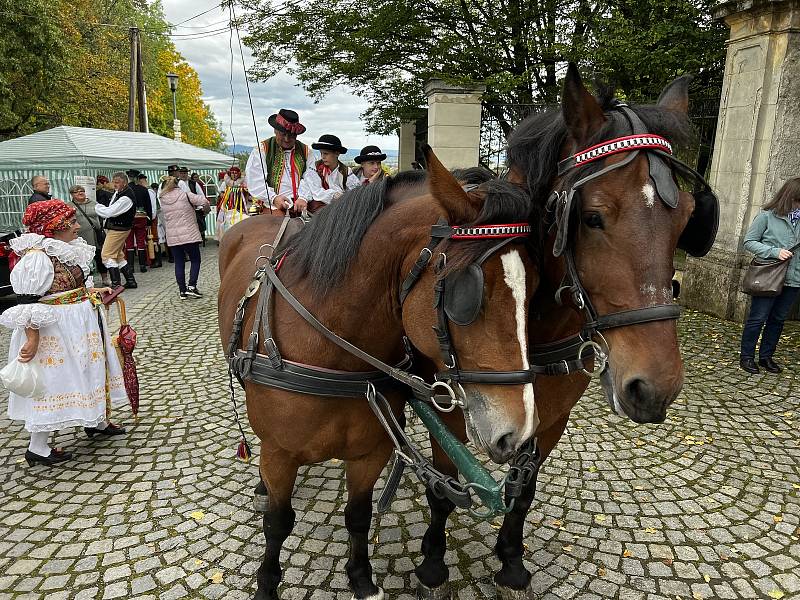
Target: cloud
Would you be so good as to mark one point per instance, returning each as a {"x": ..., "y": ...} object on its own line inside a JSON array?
[{"x": 337, "y": 113}]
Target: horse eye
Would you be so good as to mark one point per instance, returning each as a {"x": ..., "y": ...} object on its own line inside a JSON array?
[{"x": 593, "y": 220}]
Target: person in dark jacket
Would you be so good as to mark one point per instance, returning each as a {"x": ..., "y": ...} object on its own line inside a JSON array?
[
  {"x": 137, "y": 238},
  {"x": 41, "y": 189},
  {"x": 118, "y": 215}
]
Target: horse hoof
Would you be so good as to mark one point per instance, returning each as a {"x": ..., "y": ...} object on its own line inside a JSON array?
[
  {"x": 441, "y": 592},
  {"x": 260, "y": 503},
  {"x": 507, "y": 593},
  {"x": 378, "y": 596}
]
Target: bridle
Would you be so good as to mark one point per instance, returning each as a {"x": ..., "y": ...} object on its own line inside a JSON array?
[{"x": 562, "y": 203}]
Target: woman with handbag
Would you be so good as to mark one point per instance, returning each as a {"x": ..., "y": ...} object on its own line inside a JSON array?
[
  {"x": 773, "y": 234},
  {"x": 91, "y": 228},
  {"x": 58, "y": 324},
  {"x": 183, "y": 232}
]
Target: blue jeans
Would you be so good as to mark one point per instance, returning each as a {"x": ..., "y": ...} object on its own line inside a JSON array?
[
  {"x": 180, "y": 253},
  {"x": 773, "y": 311}
]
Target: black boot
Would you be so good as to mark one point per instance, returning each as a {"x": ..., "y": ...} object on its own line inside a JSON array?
[
  {"x": 127, "y": 272},
  {"x": 157, "y": 259},
  {"x": 748, "y": 363},
  {"x": 143, "y": 261},
  {"x": 169, "y": 255},
  {"x": 113, "y": 273},
  {"x": 770, "y": 365}
]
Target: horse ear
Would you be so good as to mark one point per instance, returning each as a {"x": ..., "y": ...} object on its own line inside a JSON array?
[
  {"x": 448, "y": 193},
  {"x": 582, "y": 114},
  {"x": 676, "y": 95}
]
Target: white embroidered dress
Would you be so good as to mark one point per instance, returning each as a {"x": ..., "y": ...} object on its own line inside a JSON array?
[{"x": 71, "y": 350}]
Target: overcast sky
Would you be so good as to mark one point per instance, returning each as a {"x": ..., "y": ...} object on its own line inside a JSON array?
[{"x": 338, "y": 113}]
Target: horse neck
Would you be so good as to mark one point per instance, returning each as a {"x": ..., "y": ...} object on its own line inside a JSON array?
[{"x": 364, "y": 308}]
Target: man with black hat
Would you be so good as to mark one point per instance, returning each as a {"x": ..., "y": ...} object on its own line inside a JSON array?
[
  {"x": 330, "y": 178},
  {"x": 118, "y": 214},
  {"x": 369, "y": 161},
  {"x": 137, "y": 239},
  {"x": 275, "y": 170}
]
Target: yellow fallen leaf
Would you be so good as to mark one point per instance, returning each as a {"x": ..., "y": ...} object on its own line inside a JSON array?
[
  {"x": 197, "y": 515},
  {"x": 558, "y": 523},
  {"x": 788, "y": 414},
  {"x": 706, "y": 577},
  {"x": 796, "y": 486},
  {"x": 777, "y": 433},
  {"x": 197, "y": 561},
  {"x": 697, "y": 596},
  {"x": 600, "y": 518},
  {"x": 627, "y": 554},
  {"x": 651, "y": 530},
  {"x": 567, "y": 548},
  {"x": 592, "y": 469},
  {"x": 216, "y": 577},
  {"x": 601, "y": 572},
  {"x": 775, "y": 594},
  {"x": 777, "y": 518}
]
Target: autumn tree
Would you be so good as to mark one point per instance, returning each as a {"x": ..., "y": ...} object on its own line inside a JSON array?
[{"x": 386, "y": 50}]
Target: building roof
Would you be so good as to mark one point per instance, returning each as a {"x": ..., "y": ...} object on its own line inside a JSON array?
[{"x": 80, "y": 147}]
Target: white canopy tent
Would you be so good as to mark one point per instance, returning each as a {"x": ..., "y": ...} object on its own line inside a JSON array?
[{"x": 69, "y": 155}]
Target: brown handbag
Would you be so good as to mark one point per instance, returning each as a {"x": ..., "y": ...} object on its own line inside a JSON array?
[{"x": 765, "y": 276}]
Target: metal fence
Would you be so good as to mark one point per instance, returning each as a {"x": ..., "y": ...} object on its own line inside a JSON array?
[{"x": 703, "y": 113}]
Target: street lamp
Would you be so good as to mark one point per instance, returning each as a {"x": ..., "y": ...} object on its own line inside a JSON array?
[{"x": 173, "y": 86}]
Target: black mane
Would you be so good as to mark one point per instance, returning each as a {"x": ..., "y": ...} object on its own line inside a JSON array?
[
  {"x": 534, "y": 147},
  {"x": 323, "y": 249}
]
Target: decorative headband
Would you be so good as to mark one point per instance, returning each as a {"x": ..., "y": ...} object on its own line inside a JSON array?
[
  {"x": 621, "y": 144},
  {"x": 290, "y": 127},
  {"x": 491, "y": 232}
]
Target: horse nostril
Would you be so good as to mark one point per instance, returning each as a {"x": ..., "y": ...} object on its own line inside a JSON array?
[
  {"x": 505, "y": 443},
  {"x": 637, "y": 389}
]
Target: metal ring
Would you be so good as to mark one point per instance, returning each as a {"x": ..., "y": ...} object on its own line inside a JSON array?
[
  {"x": 452, "y": 361},
  {"x": 579, "y": 300},
  {"x": 264, "y": 258},
  {"x": 450, "y": 392},
  {"x": 600, "y": 355}
]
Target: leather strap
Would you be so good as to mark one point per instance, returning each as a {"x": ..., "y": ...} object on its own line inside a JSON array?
[{"x": 636, "y": 316}]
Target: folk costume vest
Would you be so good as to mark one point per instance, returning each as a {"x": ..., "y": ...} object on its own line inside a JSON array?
[
  {"x": 124, "y": 221},
  {"x": 275, "y": 157},
  {"x": 323, "y": 171}
]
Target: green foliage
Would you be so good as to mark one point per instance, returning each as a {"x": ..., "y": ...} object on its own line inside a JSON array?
[
  {"x": 67, "y": 63},
  {"x": 518, "y": 48}
]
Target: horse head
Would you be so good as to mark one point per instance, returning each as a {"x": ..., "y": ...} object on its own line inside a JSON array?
[
  {"x": 476, "y": 301},
  {"x": 616, "y": 217}
]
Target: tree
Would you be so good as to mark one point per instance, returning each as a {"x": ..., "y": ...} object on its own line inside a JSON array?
[
  {"x": 386, "y": 50},
  {"x": 68, "y": 64}
]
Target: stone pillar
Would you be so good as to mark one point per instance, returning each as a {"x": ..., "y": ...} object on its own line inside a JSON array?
[
  {"x": 407, "y": 145},
  {"x": 757, "y": 144},
  {"x": 454, "y": 122}
]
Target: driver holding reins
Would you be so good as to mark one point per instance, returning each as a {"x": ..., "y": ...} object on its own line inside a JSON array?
[{"x": 274, "y": 172}]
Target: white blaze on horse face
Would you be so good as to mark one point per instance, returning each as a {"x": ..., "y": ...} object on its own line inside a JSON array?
[
  {"x": 514, "y": 276},
  {"x": 649, "y": 195}
]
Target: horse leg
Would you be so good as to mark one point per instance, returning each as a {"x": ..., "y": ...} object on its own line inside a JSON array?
[
  {"x": 513, "y": 581},
  {"x": 260, "y": 497},
  {"x": 433, "y": 574},
  {"x": 361, "y": 477},
  {"x": 278, "y": 521}
]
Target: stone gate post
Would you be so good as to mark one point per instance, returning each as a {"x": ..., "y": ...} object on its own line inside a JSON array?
[
  {"x": 407, "y": 145},
  {"x": 454, "y": 122},
  {"x": 757, "y": 145}
]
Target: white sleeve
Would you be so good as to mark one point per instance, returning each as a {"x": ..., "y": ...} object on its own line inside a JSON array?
[
  {"x": 153, "y": 201},
  {"x": 32, "y": 275},
  {"x": 313, "y": 183},
  {"x": 352, "y": 180},
  {"x": 255, "y": 171},
  {"x": 122, "y": 204}
]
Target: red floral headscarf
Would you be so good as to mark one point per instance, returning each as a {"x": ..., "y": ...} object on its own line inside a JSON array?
[{"x": 47, "y": 217}]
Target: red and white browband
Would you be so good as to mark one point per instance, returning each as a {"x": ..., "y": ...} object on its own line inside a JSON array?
[
  {"x": 491, "y": 232},
  {"x": 621, "y": 144}
]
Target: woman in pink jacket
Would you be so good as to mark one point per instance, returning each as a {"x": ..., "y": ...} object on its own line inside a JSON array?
[{"x": 183, "y": 234}]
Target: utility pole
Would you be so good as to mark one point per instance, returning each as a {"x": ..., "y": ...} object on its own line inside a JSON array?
[
  {"x": 134, "y": 35},
  {"x": 144, "y": 124}
]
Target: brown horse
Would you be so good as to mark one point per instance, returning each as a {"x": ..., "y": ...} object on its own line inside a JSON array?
[
  {"x": 622, "y": 238},
  {"x": 347, "y": 267}
]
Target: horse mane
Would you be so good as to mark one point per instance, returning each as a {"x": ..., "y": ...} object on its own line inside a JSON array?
[
  {"x": 535, "y": 145},
  {"x": 323, "y": 249}
]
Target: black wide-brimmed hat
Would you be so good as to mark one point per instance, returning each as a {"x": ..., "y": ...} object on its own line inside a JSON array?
[
  {"x": 329, "y": 142},
  {"x": 287, "y": 121},
  {"x": 133, "y": 173},
  {"x": 183, "y": 170},
  {"x": 370, "y": 153},
  {"x": 172, "y": 168}
]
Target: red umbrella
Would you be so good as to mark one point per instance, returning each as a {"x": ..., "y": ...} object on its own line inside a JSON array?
[{"x": 125, "y": 342}]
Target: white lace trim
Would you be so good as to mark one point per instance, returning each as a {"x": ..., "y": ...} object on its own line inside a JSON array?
[
  {"x": 40, "y": 427},
  {"x": 33, "y": 315},
  {"x": 75, "y": 253}
]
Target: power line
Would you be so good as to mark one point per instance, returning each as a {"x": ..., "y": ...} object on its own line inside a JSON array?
[{"x": 216, "y": 6}]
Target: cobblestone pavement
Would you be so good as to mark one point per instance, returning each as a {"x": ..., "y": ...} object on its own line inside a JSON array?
[{"x": 703, "y": 506}]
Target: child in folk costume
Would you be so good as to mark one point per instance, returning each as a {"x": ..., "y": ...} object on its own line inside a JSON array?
[
  {"x": 369, "y": 165},
  {"x": 330, "y": 178},
  {"x": 59, "y": 325},
  {"x": 233, "y": 201}
]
